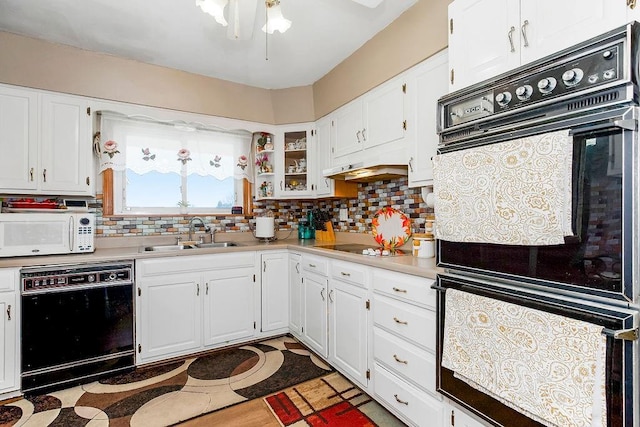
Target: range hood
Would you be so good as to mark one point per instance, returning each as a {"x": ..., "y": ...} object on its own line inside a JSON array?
[{"x": 359, "y": 172}]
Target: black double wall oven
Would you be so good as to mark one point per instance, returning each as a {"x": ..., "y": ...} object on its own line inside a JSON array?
[{"x": 590, "y": 93}]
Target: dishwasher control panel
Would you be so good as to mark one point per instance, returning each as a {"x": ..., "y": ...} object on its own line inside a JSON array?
[{"x": 52, "y": 278}]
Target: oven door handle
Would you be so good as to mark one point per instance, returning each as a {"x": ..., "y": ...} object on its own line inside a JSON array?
[{"x": 629, "y": 124}]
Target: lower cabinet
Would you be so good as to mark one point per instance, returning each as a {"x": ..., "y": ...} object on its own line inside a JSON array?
[
  {"x": 295, "y": 294},
  {"x": 314, "y": 312},
  {"x": 192, "y": 303},
  {"x": 275, "y": 291},
  {"x": 349, "y": 321},
  {"x": 9, "y": 327}
]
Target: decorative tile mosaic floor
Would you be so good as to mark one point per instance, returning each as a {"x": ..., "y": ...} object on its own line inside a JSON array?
[{"x": 184, "y": 390}]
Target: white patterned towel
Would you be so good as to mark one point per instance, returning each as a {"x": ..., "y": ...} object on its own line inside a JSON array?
[
  {"x": 515, "y": 192},
  {"x": 548, "y": 367}
]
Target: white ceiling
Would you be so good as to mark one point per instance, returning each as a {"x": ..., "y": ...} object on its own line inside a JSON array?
[{"x": 177, "y": 34}]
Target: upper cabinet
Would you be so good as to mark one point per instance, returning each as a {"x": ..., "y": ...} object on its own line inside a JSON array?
[
  {"x": 489, "y": 37},
  {"x": 429, "y": 82},
  {"x": 373, "y": 124},
  {"x": 46, "y": 142}
]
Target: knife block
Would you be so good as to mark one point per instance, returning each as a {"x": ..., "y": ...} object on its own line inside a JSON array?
[{"x": 326, "y": 236}]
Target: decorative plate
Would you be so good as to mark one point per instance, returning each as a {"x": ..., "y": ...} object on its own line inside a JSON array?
[{"x": 391, "y": 228}]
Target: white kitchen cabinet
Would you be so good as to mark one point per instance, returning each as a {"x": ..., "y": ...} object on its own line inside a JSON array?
[
  {"x": 275, "y": 291},
  {"x": 349, "y": 321},
  {"x": 490, "y": 37},
  {"x": 18, "y": 138},
  {"x": 9, "y": 332},
  {"x": 48, "y": 143},
  {"x": 324, "y": 186},
  {"x": 372, "y": 125},
  {"x": 169, "y": 319},
  {"x": 428, "y": 81},
  {"x": 229, "y": 314},
  {"x": 457, "y": 417},
  {"x": 193, "y": 303},
  {"x": 293, "y": 169},
  {"x": 295, "y": 294},
  {"x": 315, "y": 304}
]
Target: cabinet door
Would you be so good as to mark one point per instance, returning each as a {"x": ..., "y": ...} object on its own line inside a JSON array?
[
  {"x": 314, "y": 325},
  {"x": 66, "y": 146},
  {"x": 228, "y": 308},
  {"x": 479, "y": 40},
  {"x": 298, "y": 178},
  {"x": 348, "y": 329},
  {"x": 324, "y": 186},
  {"x": 384, "y": 112},
  {"x": 18, "y": 139},
  {"x": 295, "y": 294},
  {"x": 427, "y": 85},
  {"x": 550, "y": 26},
  {"x": 169, "y": 315},
  {"x": 348, "y": 126},
  {"x": 8, "y": 341},
  {"x": 275, "y": 291}
]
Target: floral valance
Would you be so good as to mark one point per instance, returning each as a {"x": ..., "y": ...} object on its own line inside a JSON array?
[{"x": 142, "y": 146}]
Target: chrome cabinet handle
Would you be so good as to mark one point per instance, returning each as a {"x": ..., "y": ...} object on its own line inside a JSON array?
[
  {"x": 358, "y": 136},
  {"x": 404, "y": 402},
  {"x": 403, "y": 291},
  {"x": 281, "y": 186},
  {"x": 524, "y": 32},
  {"x": 345, "y": 274},
  {"x": 364, "y": 136},
  {"x": 44, "y": 175},
  {"x": 197, "y": 289},
  {"x": 510, "y": 35},
  {"x": 9, "y": 312},
  {"x": 264, "y": 266},
  {"x": 322, "y": 293},
  {"x": 312, "y": 265},
  {"x": 298, "y": 267},
  {"x": 31, "y": 174},
  {"x": 207, "y": 288},
  {"x": 330, "y": 295},
  {"x": 411, "y": 164},
  {"x": 404, "y": 362},
  {"x": 326, "y": 182},
  {"x": 401, "y": 322}
]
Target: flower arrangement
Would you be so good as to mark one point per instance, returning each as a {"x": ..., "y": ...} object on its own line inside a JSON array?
[
  {"x": 262, "y": 162},
  {"x": 264, "y": 141}
]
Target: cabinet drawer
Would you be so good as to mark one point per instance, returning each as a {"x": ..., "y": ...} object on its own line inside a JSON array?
[
  {"x": 410, "y": 288},
  {"x": 406, "y": 360},
  {"x": 349, "y": 272},
  {"x": 408, "y": 321},
  {"x": 315, "y": 264},
  {"x": 9, "y": 279},
  {"x": 415, "y": 405}
]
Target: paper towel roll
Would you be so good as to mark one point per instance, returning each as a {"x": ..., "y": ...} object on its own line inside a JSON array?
[{"x": 264, "y": 227}]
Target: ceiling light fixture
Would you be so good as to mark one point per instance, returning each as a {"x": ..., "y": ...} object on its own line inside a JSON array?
[
  {"x": 214, "y": 8},
  {"x": 275, "y": 21}
]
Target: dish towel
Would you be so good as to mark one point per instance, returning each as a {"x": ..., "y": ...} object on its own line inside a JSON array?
[
  {"x": 516, "y": 192},
  {"x": 546, "y": 366}
]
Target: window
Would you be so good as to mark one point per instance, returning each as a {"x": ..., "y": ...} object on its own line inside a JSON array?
[{"x": 167, "y": 168}]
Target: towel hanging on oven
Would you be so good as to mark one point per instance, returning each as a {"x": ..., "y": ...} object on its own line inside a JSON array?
[
  {"x": 516, "y": 192},
  {"x": 546, "y": 366}
]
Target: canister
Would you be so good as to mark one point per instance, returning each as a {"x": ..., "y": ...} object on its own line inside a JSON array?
[{"x": 424, "y": 245}]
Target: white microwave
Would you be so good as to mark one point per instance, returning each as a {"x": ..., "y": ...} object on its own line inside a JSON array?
[{"x": 23, "y": 234}]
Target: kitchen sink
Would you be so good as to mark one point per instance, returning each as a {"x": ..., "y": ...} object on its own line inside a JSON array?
[
  {"x": 172, "y": 248},
  {"x": 166, "y": 248},
  {"x": 216, "y": 245}
]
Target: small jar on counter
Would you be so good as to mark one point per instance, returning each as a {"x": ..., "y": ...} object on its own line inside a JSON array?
[{"x": 424, "y": 245}]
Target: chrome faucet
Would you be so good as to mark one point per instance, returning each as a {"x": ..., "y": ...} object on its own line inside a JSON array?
[{"x": 191, "y": 227}]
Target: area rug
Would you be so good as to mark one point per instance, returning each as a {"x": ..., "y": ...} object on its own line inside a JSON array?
[{"x": 174, "y": 392}]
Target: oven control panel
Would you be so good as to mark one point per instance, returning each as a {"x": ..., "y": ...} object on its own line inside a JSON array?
[
  {"x": 51, "y": 279},
  {"x": 568, "y": 75}
]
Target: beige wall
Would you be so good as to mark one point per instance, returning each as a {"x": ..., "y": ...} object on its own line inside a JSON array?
[{"x": 416, "y": 35}]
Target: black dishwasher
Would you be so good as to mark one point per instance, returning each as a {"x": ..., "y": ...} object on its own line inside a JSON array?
[{"x": 77, "y": 324}]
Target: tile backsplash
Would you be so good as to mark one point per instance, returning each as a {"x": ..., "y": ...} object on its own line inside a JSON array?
[{"x": 361, "y": 211}]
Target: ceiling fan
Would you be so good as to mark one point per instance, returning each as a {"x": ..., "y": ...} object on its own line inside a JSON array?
[{"x": 241, "y": 14}]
